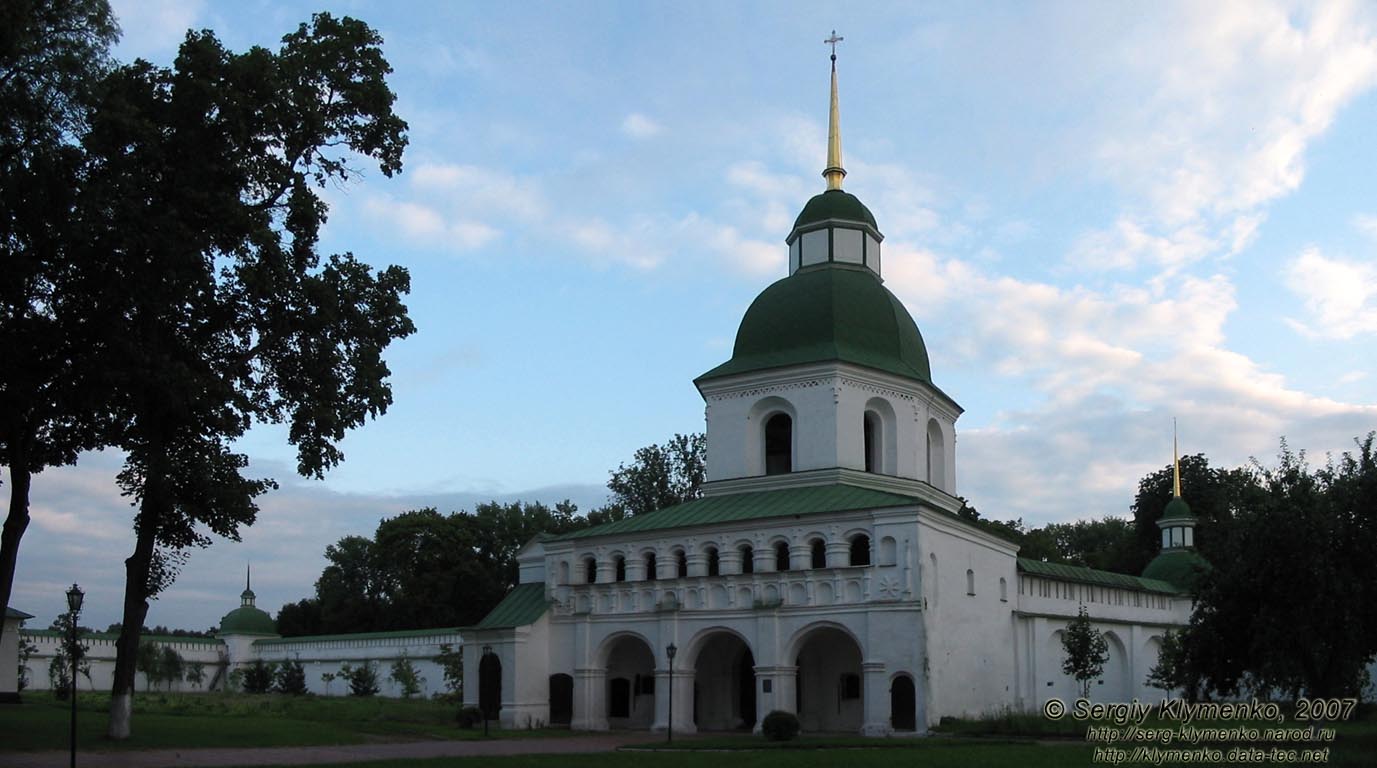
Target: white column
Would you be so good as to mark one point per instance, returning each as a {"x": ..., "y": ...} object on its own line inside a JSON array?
[
  {"x": 590, "y": 703},
  {"x": 874, "y": 699}
]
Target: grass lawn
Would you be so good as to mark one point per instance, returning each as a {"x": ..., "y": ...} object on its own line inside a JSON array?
[{"x": 235, "y": 720}]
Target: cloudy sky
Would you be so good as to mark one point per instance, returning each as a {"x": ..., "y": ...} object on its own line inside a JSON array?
[{"x": 1101, "y": 216}]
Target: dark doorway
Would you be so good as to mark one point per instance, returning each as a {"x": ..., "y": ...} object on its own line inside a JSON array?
[
  {"x": 779, "y": 444},
  {"x": 745, "y": 676},
  {"x": 561, "y": 699},
  {"x": 903, "y": 704},
  {"x": 619, "y": 698},
  {"x": 490, "y": 686}
]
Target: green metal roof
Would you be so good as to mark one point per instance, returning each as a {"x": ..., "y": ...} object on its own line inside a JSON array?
[
  {"x": 1178, "y": 509},
  {"x": 1179, "y": 567},
  {"x": 247, "y": 620},
  {"x": 522, "y": 606},
  {"x": 1094, "y": 577},
  {"x": 751, "y": 505},
  {"x": 823, "y": 313},
  {"x": 358, "y": 636},
  {"x": 14, "y": 613},
  {"x": 835, "y": 204},
  {"x": 113, "y": 636}
]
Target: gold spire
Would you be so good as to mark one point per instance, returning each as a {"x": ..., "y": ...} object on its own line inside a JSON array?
[
  {"x": 834, "y": 172},
  {"x": 1175, "y": 464}
]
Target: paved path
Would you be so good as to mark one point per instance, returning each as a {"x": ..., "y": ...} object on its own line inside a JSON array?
[{"x": 355, "y": 753}]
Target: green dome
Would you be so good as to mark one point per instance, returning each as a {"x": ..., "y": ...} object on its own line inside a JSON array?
[
  {"x": 828, "y": 312},
  {"x": 247, "y": 620},
  {"x": 1177, "y": 509},
  {"x": 1178, "y": 567},
  {"x": 835, "y": 204}
]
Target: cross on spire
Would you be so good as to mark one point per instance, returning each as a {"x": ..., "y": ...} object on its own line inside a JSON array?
[{"x": 832, "y": 41}]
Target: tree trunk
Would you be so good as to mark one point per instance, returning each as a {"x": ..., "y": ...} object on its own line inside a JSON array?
[
  {"x": 15, "y": 523},
  {"x": 136, "y": 570}
]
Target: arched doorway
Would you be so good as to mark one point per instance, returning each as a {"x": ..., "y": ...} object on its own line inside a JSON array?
[
  {"x": 903, "y": 704},
  {"x": 561, "y": 699},
  {"x": 829, "y": 686},
  {"x": 724, "y": 679},
  {"x": 630, "y": 683},
  {"x": 490, "y": 686}
]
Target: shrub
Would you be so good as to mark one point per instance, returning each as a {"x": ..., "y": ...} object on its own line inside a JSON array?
[
  {"x": 258, "y": 677},
  {"x": 470, "y": 717},
  {"x": 780, "y": 726},
  {"x": 405, "y": 676},
  {"x": 363, "y": 679},
  {"x": 291, "y": 678}
]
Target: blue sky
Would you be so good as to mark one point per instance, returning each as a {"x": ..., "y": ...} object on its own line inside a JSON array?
[{"x": 1101, "y": 216}]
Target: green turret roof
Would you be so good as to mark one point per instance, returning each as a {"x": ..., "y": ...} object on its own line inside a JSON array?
[
  {"x": 1177, "y": 509},
  {"x": 823, "y": 313},
  {"x": 835, "y": 204},
  {"x": 1179, "y": 567},
  {"x": 247, "y": 620}
]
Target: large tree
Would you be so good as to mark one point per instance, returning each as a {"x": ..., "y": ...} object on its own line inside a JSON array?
[
  {"x": 1215, "y": 496},
  {"x": 1289, "y": 605},
  {"x": 52, "y": 53},
  {"x": 659, "y": 476},
  {"x": 201, "y": 211}
]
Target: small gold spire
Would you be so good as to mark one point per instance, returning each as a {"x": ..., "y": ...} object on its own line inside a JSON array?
[
  {"x": 1175, "y": 463},
  {"x": 834, "y": 172}
]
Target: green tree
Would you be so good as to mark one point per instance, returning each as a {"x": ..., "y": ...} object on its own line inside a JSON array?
[
  {"x": 451, "y": 661},
  {"x": 1288, "y": 605},
  {"x": 200, "y": 213},
  {"x": 290, "y": 678},
  {"x": 1216, "y": 496},
  {"x": 1173, "y": 671},
  {"x": 406, "y": 677},
  {"x": 258, "y": 676},
  {"x": 661, "y": 475},
  {"x": 196, "y": 673},
  {"x": 363, "y": 679},
  {"x": 149, "y": 661},
  {"x": 52, "y": 52},
  {"x": 26, "y": 653},
  {"x": 1086, "y": 651},
  {"x": 171, "y": 667}
]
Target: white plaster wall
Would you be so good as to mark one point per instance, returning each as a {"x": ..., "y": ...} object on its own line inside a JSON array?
[
  {"x": 101, "y": 655},
  {"x": 9, "y": 659}
]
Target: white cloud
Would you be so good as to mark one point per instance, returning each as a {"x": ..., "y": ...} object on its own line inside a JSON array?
[
  {"x": 154, "y": 28},
  {"x": 638, "y": 126},
  {"x": 1366, "y": 223},
  {"x": 479, "y": 191},
  {"x": 1340, "y": 296},
  {"x": 427, "y": 226}
]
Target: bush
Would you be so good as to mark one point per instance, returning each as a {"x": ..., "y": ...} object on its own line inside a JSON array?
[
  {"x": 405, "y": 676},
  {"x": 363, "y": 679},
  {"x": 780, "y": 726},
  {"x": 258, "y": 677},
  {"x": 470, "y": 717},
  {"x": 291, "y": 678}
]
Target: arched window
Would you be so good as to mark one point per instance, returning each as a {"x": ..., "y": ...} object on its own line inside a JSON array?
[
  {"x": 872, "y": 441},
  {"x": 681, "y": 560},
  {"x": 714, "y": 566},
  {"x": 860, "y": 550},
  {"x": 819, "y": 553},
  {"x": 1003, "y": 590},
  {"x": 747, "y": 559},
  {"x": 889, "y": 551},
  {"x": 563, "y": 571},
  {"x": 781, "y": 556},
  {"x": 620, "y": 563},
  {"x": 650, "y": 570},
  {"x": 779, "y": 444},
  {"x": 590, "y": 570},
  {"x": 937, "y": 456},
  {"x": 970, "y": 582}
]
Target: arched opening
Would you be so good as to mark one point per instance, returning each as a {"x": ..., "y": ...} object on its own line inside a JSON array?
[
  {"x": 714, "y": 563},
  {"x": 970, "y": 582},
  {"x": 590, "y": 570},
  {"x": 620, "y": 563},
  {"x": 829, "y": 686},
  {"x": 747, "y": 559},
  {"x": 1003, "y": 590},
  {"x": 561, "y": 699},
  {"x": 490, "y": 686},
  {"x": 871, "y": 427},
  {"x": 937, "y": 456},
  {"x": 630, "y": 683},
  {"x": 724, "y": 684},
  {"x": 779, "y": 444},
  {"x": 781, "y": 556},
  {"x": 818, "y": 554},
  {"x": 650, "y": 568},
  {"x": 1114, "y": 683},
  {"x": 889, "y": 551},
  {"x": 860, "y": 549},
  {"x": 681, "y": 564},
  {"x": 563, "y": 571},
  {"x": 903, "y": 704}
]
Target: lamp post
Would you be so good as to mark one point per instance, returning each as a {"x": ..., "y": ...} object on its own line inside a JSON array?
[
  {"x": 74, "y": 597},
  {"x": 483, "y": 687},
  {"x": 670, "y": 650}
]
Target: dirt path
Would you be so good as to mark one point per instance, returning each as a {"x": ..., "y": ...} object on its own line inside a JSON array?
[{"x": 165, "y": 758}]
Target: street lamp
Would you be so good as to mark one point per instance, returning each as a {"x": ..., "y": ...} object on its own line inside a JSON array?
[
  {"x": 74, "y": 597},
  {"x": 483, "y": 687},
  {"x": 670, "y": 650}
]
